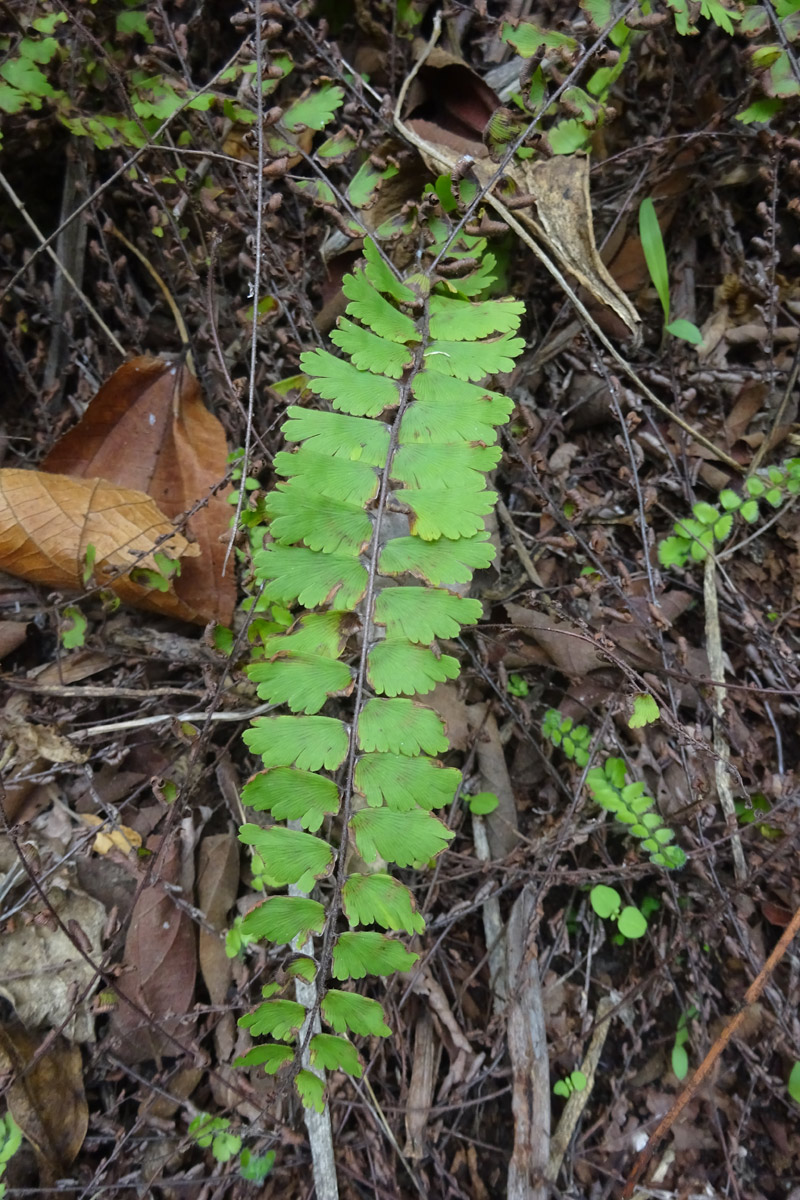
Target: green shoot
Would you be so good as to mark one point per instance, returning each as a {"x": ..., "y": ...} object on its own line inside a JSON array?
[
  {"x": 10, "y": 1142},
  {"x": 607, "y": 903},
  {"x": 793, "y": 1083},
  {"x": 73, "y": 632},
  {"x": 679, "y": 1057},
  {"x": 575, "y": 1082},
  {"x": 645, "y": 711},
  {"x": 656, "y": 258}
]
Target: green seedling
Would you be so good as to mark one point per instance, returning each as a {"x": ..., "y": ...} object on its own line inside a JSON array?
[
  {"x": 680, "y": 1057},
  {"x": 482, "y": 804},
  {"x": 10, "y": 1142},
  {"x": 575, "y": 1082},
  {"x": 696, "y": 537},
  {"x": 747, "y": 812},
  {"x": 793, "y": 1083},
  {"x": 629, "y": 803},
  {"x": 213, "y": 1133},
  {"x": 645, "y": 711},
  {"x": 656, "y": 258},
  {"x": 607, "y": 903},
  {"x": 517, "y": 686},
  {"x": 73, "y": 631},
  {"x": 573, "y": 739}
]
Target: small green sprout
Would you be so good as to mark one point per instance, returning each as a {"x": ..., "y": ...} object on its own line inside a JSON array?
[
  {"x": 213, "y": 1132},
  {"x": 10, "y": 1142},
  {"x": 573, "y": 739},
  {"x": 645, "y": 711},
  {"x": 793, "y": 1083},
  {"x": 483, "y": 803},
  {"x": 517, "y": 686},
  {"x": 73, "y": 632},
  {"x": 88, "y": 564},
  {"x": 575, "y": 1082},
  {"x": 607, "y": 902},
  {"x": 680, "y": 1057},
  {"x": 695, "y": 537}
]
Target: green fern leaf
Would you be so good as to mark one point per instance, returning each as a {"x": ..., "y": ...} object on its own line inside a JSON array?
[
  {"x": 317, "y": 520},
  {"x": 348, "y": 1011},
  {"x": 283, "y": 918},
  {"x": 430, "y": 466},
  {"x": 290, "y": 856},
  {"x": 292, "y": 795},
  {"x": 375, "y": 311},
  {"x": 400, "y": 727},
  {"x": 474, "y": 360},
  {"x": 461, "y": 465},
  {"x": 370, "y": 352},
  {"x": 338, "y": 435},
  {"x": 446, "y": 512},
  {"x": 397, "y": 667},
  {"x": 452, "y": 319},
  {"x": 381, "y": 900},
  {"x": 314, "y": 110},
  {"x": 306, "y": 742},
  {"x": 343, "y": 479},
  {"x": 297, "y": 573},
  {"x": 450, "y": 409},
  {"x": 316, "y": 633},
  {"x": 280, "y": 1019},
  {"x": 303, "y": 682},
  {"x": 409, "y": 839},
  {"x": 270, "y": 1056},
  {"x": 424, "y": 614},
  {"x": 443, "y": 561},
  {"x": 403, "y": 783},
  {"x": 310, "y": 1089},
  {"x": 359, "y": 393},
  {"x": 332, "y": 1053},
  {"x": 358, "y": 954},
  {"x": 381, "y": 276}
]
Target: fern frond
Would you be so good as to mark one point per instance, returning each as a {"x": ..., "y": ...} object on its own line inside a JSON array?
[{"x": 378, "y": 515}]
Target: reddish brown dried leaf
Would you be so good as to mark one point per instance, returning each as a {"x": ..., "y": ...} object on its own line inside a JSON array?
[
  {"x": 161, "y": 961},
  {"x": 148, "y": 429},
  {"x": 48, "y": 522}
]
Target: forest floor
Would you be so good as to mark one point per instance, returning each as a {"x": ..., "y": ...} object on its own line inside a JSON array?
[{"x": 103, "y": 719}]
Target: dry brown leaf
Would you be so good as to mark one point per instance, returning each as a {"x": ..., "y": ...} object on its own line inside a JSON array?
[
  {"x": 148, "y": 430},
  {"x": 43, "y": 972},
  {"x": 217, "y": 887},
  {"x": 161, "y": 961},
  {"x": 560, "y": 186},
  {"x": 564, "y": 222},
  {"x": 46, "y": 1098},
  {"x": 48, "y": 522}
]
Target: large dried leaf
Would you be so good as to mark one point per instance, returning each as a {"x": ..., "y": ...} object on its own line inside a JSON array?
[
  {"x": 46, "y": 1098},
  {"x": 160, "y": 962},
  {"x": 48, "y": 522},
  {"x": 148, "y": 429},
  {"x": 42, "y": 972}
]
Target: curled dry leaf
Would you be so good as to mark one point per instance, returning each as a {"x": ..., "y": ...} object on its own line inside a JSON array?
[
  {"x": 46, "y": 1098},
  {"x": 48, "y": 522},
  {"x": 148, "y": 430}
]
